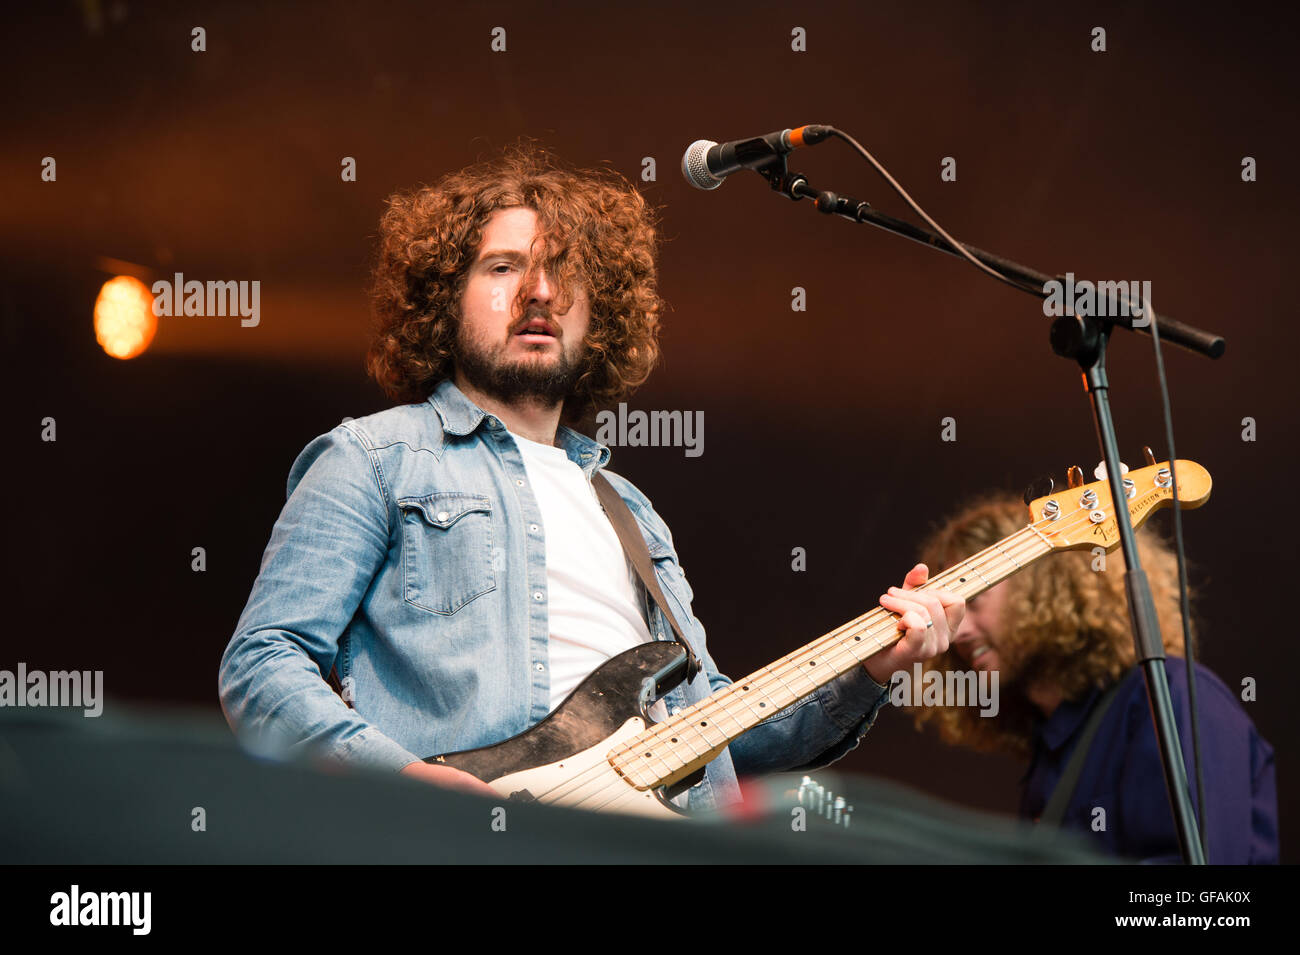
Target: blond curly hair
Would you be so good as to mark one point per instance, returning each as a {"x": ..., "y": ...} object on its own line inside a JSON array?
[{"x": 1065, "y": 624}]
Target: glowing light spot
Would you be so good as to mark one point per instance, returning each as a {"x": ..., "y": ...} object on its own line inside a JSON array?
[{"x": 124, "y": 318}]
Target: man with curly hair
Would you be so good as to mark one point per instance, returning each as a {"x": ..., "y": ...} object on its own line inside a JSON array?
[
  {"x": 448, "y": 557},
  {"x": 1058, "y": 636}
]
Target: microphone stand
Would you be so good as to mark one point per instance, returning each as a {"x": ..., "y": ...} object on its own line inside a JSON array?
[{"x": 1084, "y": 339}]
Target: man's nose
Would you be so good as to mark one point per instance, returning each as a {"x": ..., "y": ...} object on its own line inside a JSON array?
[{"x": 541, "y": 289}]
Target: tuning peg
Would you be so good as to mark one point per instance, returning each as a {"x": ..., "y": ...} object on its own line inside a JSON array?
[
  {"x": 1100, "y": 472},
  {"x": 1040, "y": 488},
  {"x": 1074, "y": 476},
  {"x": 1147, "y": 453}
]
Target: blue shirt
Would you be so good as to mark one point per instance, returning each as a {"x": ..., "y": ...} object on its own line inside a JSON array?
[
  {"x": 1122, "y": 773},
  {"x": 410, "y": 555}
]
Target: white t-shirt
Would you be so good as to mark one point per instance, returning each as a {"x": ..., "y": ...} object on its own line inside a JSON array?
[{"x": 595, "y": 593}]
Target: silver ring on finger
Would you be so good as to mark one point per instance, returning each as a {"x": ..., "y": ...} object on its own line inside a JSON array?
[{"x": 929, "y": 624}]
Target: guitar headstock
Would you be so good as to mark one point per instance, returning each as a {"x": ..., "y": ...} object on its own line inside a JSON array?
[{"x": 1082, "y": 515}]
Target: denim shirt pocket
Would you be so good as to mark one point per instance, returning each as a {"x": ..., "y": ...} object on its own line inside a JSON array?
[{"x": 446, "y": 550}]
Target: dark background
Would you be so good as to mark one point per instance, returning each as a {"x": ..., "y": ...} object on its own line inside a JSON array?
[{"x": 822, "y": 428}]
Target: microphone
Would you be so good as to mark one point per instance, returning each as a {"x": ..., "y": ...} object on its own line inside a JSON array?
[{"x": 706, "y": 163}]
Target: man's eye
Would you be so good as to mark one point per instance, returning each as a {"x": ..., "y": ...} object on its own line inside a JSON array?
[{"x": 503, "y": 265}]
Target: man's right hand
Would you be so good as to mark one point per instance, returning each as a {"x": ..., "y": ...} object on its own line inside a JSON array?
[{"x": 448, "y": 778}]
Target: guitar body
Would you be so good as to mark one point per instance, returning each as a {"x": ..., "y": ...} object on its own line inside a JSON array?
[{"x": 562, "y": 759}]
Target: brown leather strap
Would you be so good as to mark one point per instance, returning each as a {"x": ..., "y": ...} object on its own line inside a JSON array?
[
  {"x": 333, "y": 681},
  {"x": 629, "y": 534}
]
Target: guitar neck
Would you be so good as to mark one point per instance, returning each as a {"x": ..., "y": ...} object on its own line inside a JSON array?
[{"x": 671, "y": 750}]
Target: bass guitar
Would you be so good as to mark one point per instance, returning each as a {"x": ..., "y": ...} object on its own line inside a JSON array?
[{"x": 601, "y": 750}]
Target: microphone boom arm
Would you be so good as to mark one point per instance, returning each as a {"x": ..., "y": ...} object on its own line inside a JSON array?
[{"x": 795, "y": 186}]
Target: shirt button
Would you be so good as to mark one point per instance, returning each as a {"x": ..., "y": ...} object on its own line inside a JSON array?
[
  {"x": 674, "y": 711},
  {"x": 520, "y": 483},
  {"x": 443, "y": 515},
  {"x": 532, "y": 527},
  {"x": 537, "y": 595},
  {"x": 539, "y": 666}
]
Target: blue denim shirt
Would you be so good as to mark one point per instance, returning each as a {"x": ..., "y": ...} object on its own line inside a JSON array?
[{"x": 410, "y": 555}]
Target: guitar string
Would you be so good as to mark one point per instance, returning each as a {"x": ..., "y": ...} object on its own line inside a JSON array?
[
  {"x": 622, "y": 786},
  {"x": 1004, "y": 550},
  {"x": 1014, "y": 544},
  {"x": 829, "y": 647},
  {"x": 569, "y": 787},
  {"x": 616, "y": 789},
  {"x": 879, "y": 634}
]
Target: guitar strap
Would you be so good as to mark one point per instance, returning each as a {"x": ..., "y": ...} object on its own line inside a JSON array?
[
  {"x": 1054, "y": 811},
  {"x": 629, "y": 534}
]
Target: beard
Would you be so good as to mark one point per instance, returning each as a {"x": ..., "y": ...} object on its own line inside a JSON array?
[
  {"x": 1023, "y": 663},
  {"x": 534, "y": 376}
]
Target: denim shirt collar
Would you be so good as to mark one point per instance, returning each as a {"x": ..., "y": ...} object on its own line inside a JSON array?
[{"x": 460, "y": 416}]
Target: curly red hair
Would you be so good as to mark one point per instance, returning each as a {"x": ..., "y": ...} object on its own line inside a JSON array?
[{"x": 597, "y": 232}]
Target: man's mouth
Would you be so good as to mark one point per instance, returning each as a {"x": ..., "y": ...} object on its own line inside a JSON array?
[
  {"x": 979, "y": 652},
  {"x": 538, "y": 329}
]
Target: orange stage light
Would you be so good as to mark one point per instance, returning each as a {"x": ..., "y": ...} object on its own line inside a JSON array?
[{"x": 124, "y": 320}]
